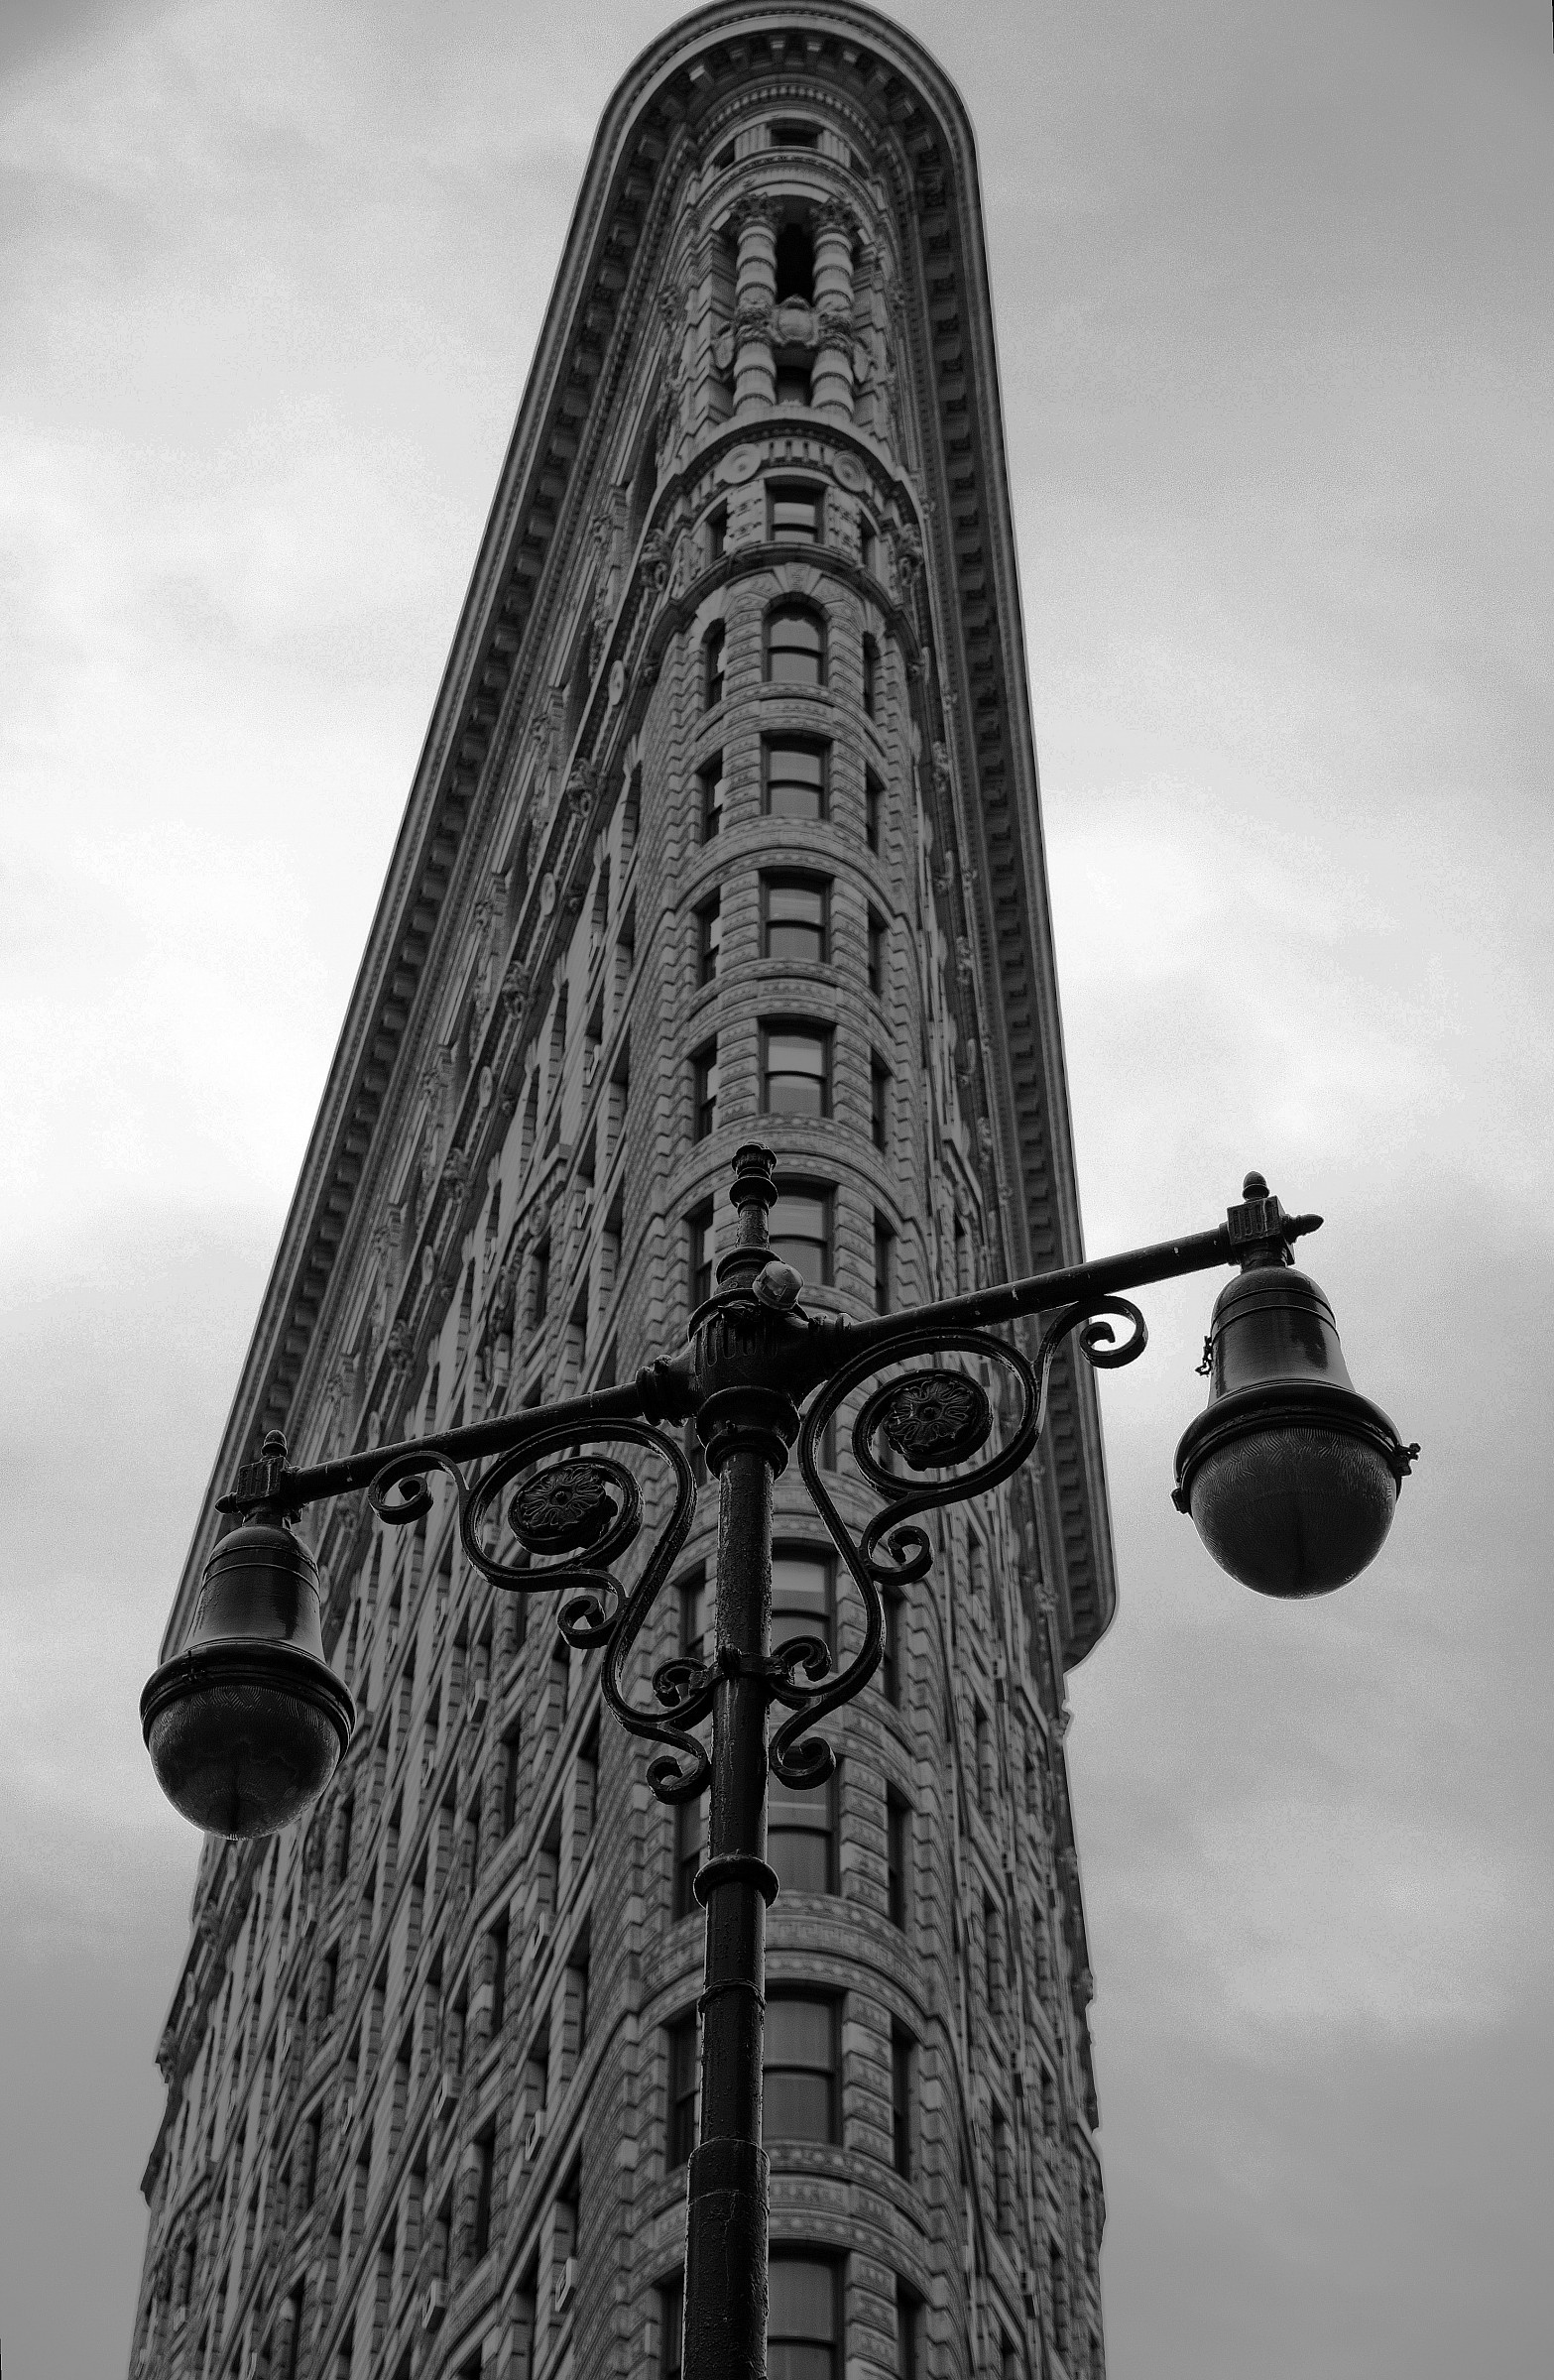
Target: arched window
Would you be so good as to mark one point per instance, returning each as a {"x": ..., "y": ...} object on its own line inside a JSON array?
[
  {"x": 712, "y": 666},
  {"x": 795, "y": 264},
  {"x": 795, "y": 646},
  {"x": 871, "y": 677}
]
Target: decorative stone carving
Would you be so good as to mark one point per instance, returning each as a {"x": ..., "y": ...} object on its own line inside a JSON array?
[
  {"x": 656, "y": 556},
  {"x": 515, "y": 989}
]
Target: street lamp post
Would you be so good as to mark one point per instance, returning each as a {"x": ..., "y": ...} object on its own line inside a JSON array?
[{"x": 1290, "y": 1477}]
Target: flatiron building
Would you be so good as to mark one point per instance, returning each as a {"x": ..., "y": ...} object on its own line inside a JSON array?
[{"x": 726, "y": 828}]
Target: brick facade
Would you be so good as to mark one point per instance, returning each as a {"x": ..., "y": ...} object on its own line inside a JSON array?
[{"x": 421, "y": 2058}]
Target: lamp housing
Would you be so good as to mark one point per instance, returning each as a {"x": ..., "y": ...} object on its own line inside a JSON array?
[
  {"x": 1292, "y": 1477},
  {"x": 247, "y": 1724}
]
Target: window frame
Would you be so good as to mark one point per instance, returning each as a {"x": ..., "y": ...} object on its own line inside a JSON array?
[
  {"x": 877, "y": 930},
  {"x": 800, "y": 1803},
  {"x": 798, "y": 1995},
  {"x": 704, "y": 1089},
  {"x": 795, "y": 607},
  {"x": 884, "y": 1264},
  {"x": 711, "y": 781},
  {"x": 796, "y": 880},
  {"x": 701, "y": 1251},
  {"x": 808, "y": 1623},
  {"x": 874, "y": 813},
  {"x": 811, "y": 494},
  {"x": 714, "y": 654},
  {"x": 897, "y": 1857},
  {"x": 682, "y": 2090},
  {"x": 709, "y": 937},
  {"x": 793, "y": 1186},
  {"x": 797, "y": 1028},
  {"x": 816, "y": 747},
  {"x": 836, "y": 2344}
]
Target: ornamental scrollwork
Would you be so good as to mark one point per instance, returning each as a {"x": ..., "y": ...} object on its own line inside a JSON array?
[
  {"x": 575, "y": 1520},
  {"x": 936, "y": 1424}
]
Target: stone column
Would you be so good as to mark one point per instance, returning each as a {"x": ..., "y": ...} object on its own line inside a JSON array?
[
  {"x": 754, "y": 295},
  {"x": 831, "y": 387}
]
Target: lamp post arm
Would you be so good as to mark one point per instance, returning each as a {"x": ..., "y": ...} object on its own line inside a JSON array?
[
  {"x": 661, "y": 1392},
  {"x": 1259, "y": 1228}
]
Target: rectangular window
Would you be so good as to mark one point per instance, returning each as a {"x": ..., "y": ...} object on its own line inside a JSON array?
[
  {"x": 793, "y": 514},
  {"x": 510, "y": 1779},
  {"x": 790, "y": 133},
  {"x": 793, "y": 383},
  {"x": 712, "y": 666},
  {"x": 878, "y": 1105},
  {"x": 898, "y": 1856},
  {"x": 796, "y": 1070},
  {"x": 798, "y": 2069},
  {"x": 689, "y": 1825},
  {"x": 685, "y": 2083},
  {"x": 672, "y": 2328},
  {"x": 796, "y": 918},
  {"x": 890, "y": 1652},
  {"x": 800, "y": 1829},
  {"x": 709, "y": 933},
  {"x": 902, "y": 2050},
  {"x": 699, "y": 1226},
  {"x": 908, "y": 2334},
  {"x": 870, "y": 677},
  {"x": 717, "y": 531},
  {"x": 799, "y": 1225},
  {"x": 485, "y": 2151},
  {"x": 874, "y": 797},
  {"x": 710, "y": 782},
  {"x": 802, "y": 2330},
  {"x": 802, "y": 1595},
  {"x": 884, "y": 1264},
  {"x": 541, "y": 1284},
  {"x": 795, "y": 770},
  {"x": 876, "y": 953},
  {"x": 704, "y": 1091},
  {"x": 866, "y": 543}
]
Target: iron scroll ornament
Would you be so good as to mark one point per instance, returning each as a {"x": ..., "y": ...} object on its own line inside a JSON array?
[
  {"x": 585, "y": 1513},
  {"x": 934, "y": 1420}
]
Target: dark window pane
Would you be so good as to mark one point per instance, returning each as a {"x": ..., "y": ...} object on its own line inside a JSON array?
[
  {"x": 712, "y": 666},
  {"x": 796, "y": 647},
  {"x": 795, "y": 918},
  {"x": 709, "y": 936},
  {"x": 800, "y": 1596},
  {"x": 876, "y": 952},
  {"x": 684, "y": 2076},
  {"x": 797, "y": 2107},
  {"x": 800, "y": 2033},
  {"x": 688, "y": 1825},
  {"x": 799, "y": 1225},
  {"x": 795, "y": 779},
  {"x": 701, "y": 1256},
  {"x": 788, "y": 2361},
  {"x": 711, "y": 781},
  {"x": 796, "y": 1073},
  {"x": 803, "y": 2298},
  {"x": 704, "y": 1086},
  {"x": 795, "y": 515},
  {"x": 798, "y": 1838}
]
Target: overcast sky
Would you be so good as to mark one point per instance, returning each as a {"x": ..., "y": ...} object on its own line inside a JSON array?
[{"x": 1273, "y": 292}]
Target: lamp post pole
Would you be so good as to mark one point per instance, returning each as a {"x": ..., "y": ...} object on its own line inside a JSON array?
[{"x": 1290, "y": 1476}]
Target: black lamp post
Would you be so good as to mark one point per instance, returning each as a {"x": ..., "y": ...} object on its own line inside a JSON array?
[{"x": 1291, "y": 1479}]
